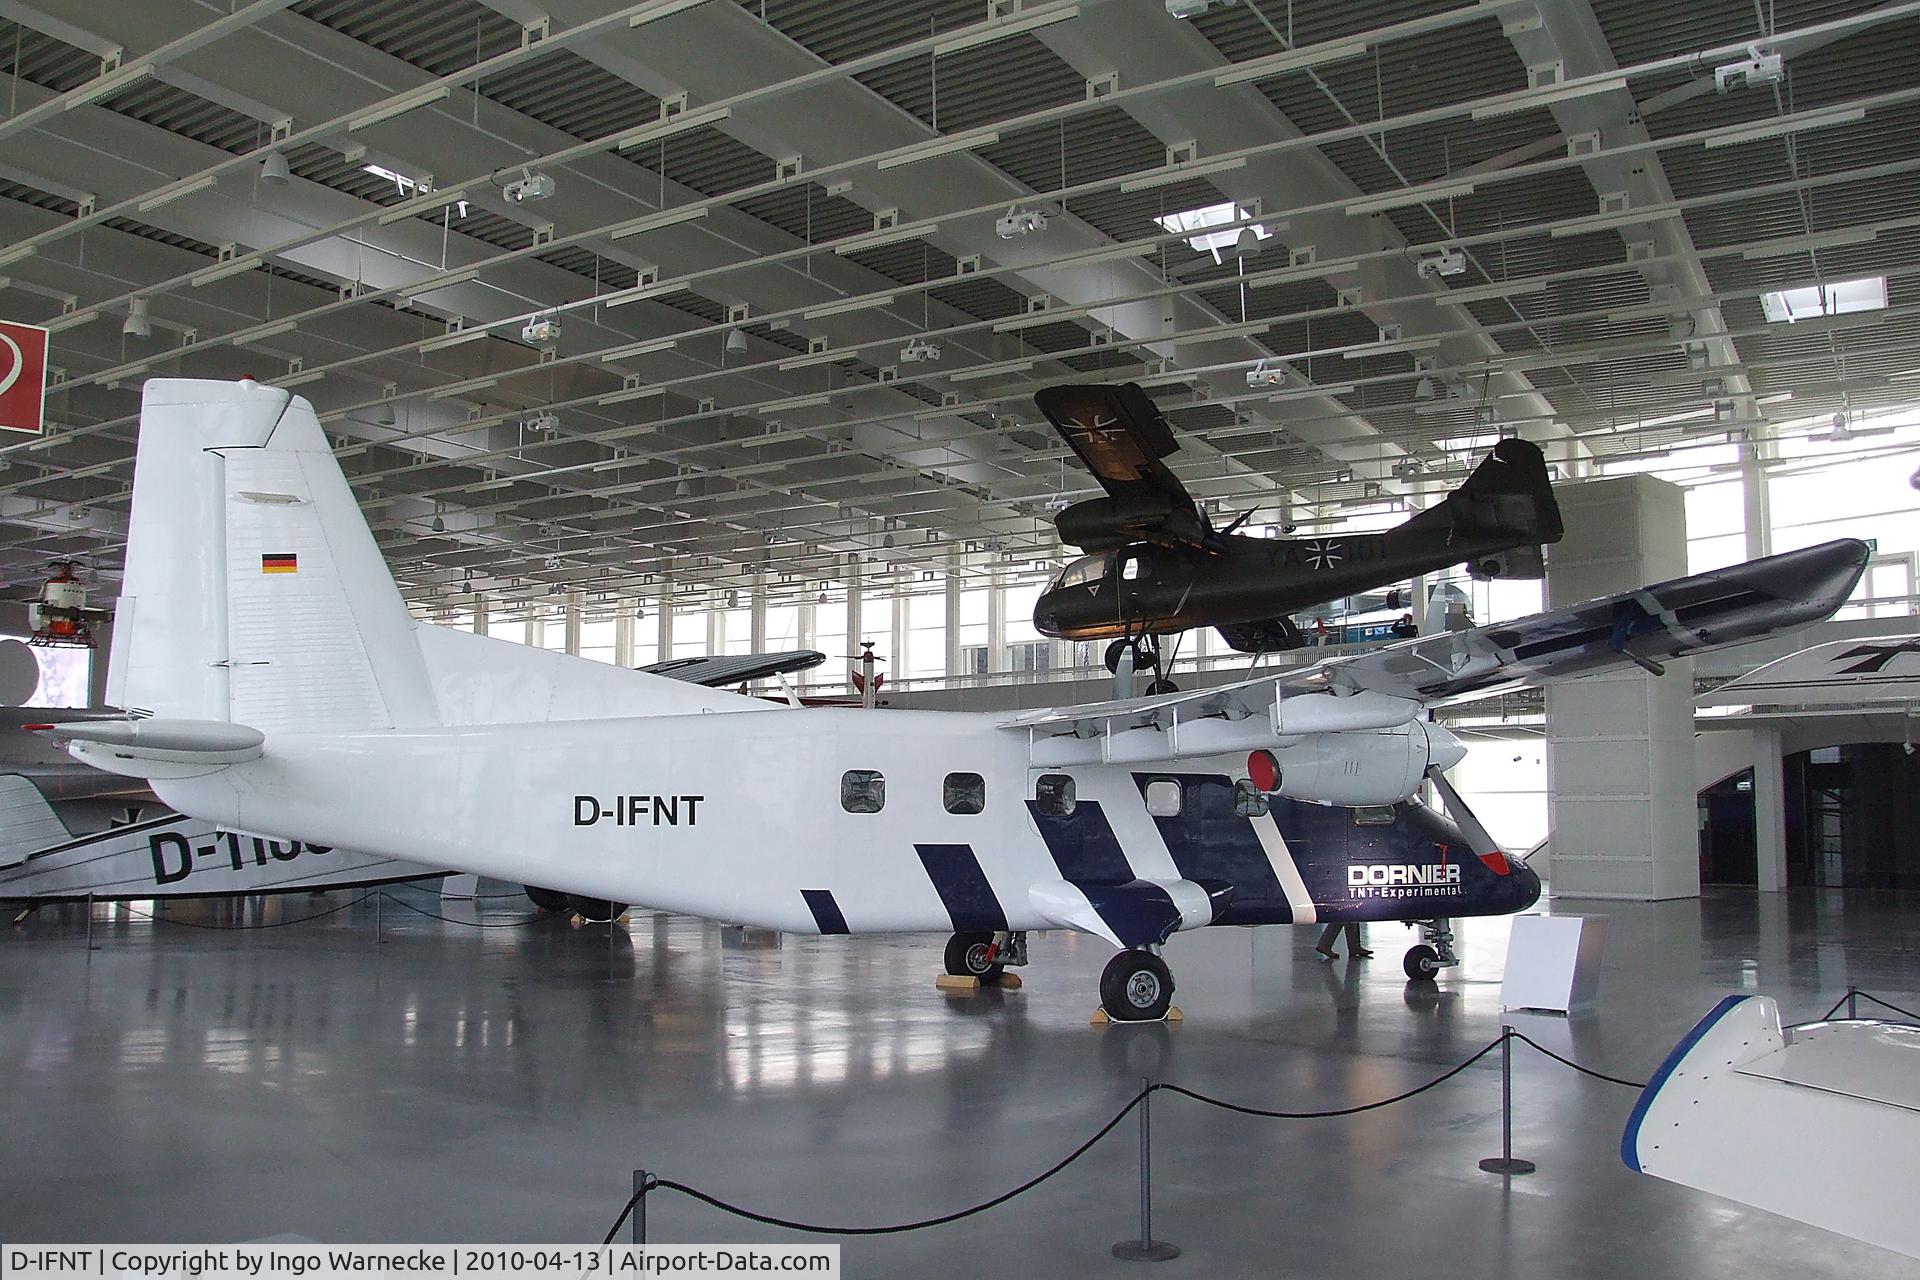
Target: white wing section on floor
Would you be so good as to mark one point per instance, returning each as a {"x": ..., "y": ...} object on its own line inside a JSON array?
[{"x": 1820, "y": 1123}]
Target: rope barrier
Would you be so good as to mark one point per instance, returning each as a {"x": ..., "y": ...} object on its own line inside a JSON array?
[
  {"x": 275, "y": 924},
  {"x": 1568, "y": 1062},
  {"x": 471, "y": 924}
]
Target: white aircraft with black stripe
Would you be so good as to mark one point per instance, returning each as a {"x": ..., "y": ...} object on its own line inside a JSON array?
[{"x": 276, "y": 685}]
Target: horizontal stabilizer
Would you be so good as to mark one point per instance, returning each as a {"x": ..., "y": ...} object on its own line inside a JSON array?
[
  {"x": 1842, "y": 673},
  {"x": 717, "y": 671},
  {"x": 27, "y": 821},
  {"x": 157, "y": 747},
  {"x": 1819, "y": 1122}
]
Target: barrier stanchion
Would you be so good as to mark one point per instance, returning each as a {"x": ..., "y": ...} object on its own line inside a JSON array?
[
  {"x": 1853, "y": 1007},
  {"x": 642, "y": 1183},
  {"x": 379, "y": 939},
  {"x": 1146, "y": 1248},
  {"x": 90, "y": 947},
  {"x": 1506, "y": 1162}
]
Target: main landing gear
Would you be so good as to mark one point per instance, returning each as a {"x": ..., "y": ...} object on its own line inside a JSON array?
[
  {"x": 592, "y": 910},
  {"x": 1433, "y": 952},
  {"x": 985, "y": 955},
  {"x": 1136, "y": 986},
  {"x": 1146, "y": 657}
]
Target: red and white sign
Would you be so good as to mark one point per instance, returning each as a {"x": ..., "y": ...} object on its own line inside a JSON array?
[{"x": 23, "y": 376}]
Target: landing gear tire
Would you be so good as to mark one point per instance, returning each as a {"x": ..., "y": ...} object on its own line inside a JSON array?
[
  {"x": 1160, "y": 686},
  {"x": 547, "y": 899},
  {"x": 1136, "y": 986},
  {"x": 596, "y": 910},
  {"x": 1421, "y": 963},
  {"x": 1145, "y": 657},
  {"x": 967, "y": 957}
]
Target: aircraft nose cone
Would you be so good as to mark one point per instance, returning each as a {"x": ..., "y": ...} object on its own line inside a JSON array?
[
  {"x": 1526, "y": 884},
  {"x": 1046, "y": 617}
]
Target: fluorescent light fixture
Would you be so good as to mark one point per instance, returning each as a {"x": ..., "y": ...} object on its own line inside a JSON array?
[
  {"x": 1034, "y": 319},
  {"x": 452, "y": 340},
  {"x": 631, "y": 393},
  {"x": 842, "y": 308},
  {"x": 1485, "y": 292},
  {"x": 989, "y": 370},
  {"x": 639, "y": 349},
  {"x": 112, "y": 82},
  {"x": 1609, "y": 221},
  {"x": 261, "y": 332},
  {"x": 168, "y": 197},
  {"x": 1274, "y": 64},
  {"x": 1224, "y": 332},
  {"x": 1114, "y": 254},
  {"x": 234, "y": 267},
  {"x": 398, "y": 107},
  {"x": 666, "y": 218},
  {"x": 1361, "y": 351},
  {"x": 1411, "y": 196},
  {"x": 1527, "y": 99},
  {"x": 818, "y": 357},
  {"x": 1180, "y": 173},
  {"x": 675, "y": 125},
  {"x": 1788, "y": 306},
  {"x": 1225, "y": 214},
  {"x": 662, "y": 9},
  {"x": 432, "y": 200},
  {"x": 797, "y": 402},
  {"x": 1790, "y": 246},
  {"x": 1314, "y": 389},
  {"x": 72, "y": 320},
  {"x": 992, "y": 31},
  {"x": 888, "y": 235},
  {"x": 1734, "y": 135},
  {"x": 941, "y": 147},
  {"x": 461, "y": 388},
  {"x": 622, "y": 297},
  {"x": 458, "y": 277}
]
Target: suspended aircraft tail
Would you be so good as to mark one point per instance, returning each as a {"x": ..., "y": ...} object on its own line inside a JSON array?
[
  {"x": 27, "y": 821},
  {"x": 1508, "y": 503}
]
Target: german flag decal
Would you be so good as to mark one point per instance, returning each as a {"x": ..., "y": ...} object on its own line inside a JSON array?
[{"x": 279, "y": 564}]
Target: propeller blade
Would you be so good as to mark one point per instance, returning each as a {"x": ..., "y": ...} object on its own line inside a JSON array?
[{"x": 1239, "y": 520}]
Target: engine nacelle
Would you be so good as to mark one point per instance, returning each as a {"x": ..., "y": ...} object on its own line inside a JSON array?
[
  {"x": 1101, "y": 524},
  {"x": 1381, "y": 766}
]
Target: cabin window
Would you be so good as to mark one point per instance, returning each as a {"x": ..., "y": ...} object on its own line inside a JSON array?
[
  {"x": 1130, "y": 568},
  {"x": 1053, "y": 795},
  {"x": 964, "y": 793},
  {"x": 1249, "y": 801},
  {"x": 1163, "y": 798},
  {"x": 863, "y": 791},
  {"x": 1373, "y": 815}
]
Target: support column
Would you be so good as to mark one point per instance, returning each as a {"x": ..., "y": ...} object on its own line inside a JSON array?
[
  {"x": 854, "y": 592},
  {"x": 997, "y": 622},
  {"x": 1620, "y": 767},
  {"x": 902, "y": 634},
  {"x": 757, "y": 613},
  {"x": 480, "y": 606},
  {"x": 663, "y": 619},
  {"x": 572, "y": 617},
  {"x": 1769, "y": 812},
  {"x": 623, "y": 637},
  {"x": 953, "y": 614}
]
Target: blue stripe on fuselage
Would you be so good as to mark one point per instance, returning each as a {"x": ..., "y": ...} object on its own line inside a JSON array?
[
  {"x": 1082, "y": 843},
  {"x": 1208, "y": 841},
  {"x": 962, "y": 886}
]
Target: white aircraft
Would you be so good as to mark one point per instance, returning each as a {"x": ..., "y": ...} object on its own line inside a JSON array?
[{"x": 277, "y": 685}]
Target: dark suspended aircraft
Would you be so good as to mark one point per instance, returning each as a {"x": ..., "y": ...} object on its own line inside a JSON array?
[{"x": 1157, "y": 566}]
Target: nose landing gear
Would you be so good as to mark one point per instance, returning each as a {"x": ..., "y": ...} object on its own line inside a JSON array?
[
  {"x": 1432, "y": 953},
  {"x": 1136, "y": 986}
]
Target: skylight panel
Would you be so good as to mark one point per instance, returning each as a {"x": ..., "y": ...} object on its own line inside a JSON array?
[
  {"x": 1784, "y": 306},
  {"x": 1202, "y": 219}
]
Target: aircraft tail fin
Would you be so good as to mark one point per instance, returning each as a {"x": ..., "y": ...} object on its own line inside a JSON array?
[
  {"x": 254, "y": 591},
  {"x": 27, "y": 821},
  {"x": 1508, "y": 499}
]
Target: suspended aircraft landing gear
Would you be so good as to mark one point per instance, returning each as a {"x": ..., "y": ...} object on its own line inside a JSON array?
[
  {"x": 547, "y": 899},
  {"x": 1433, "y": 952},
  {"x": 1136, "y": 986},
  {"x": 985, "y": 956},
  {"x": 596, "y": 910},
  {"x": 1145, "y": 656}
]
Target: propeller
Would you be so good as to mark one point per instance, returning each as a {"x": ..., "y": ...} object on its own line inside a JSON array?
[{"x": 1239, "y": 520}]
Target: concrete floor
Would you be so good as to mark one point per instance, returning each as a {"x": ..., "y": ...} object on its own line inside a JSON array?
[{"x": 501, "y": 1084}]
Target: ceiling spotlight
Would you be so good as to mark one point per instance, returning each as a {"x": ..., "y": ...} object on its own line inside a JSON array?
[
  {"x": 1842, "y": 431},
  {"x": 1423, "y": 389},
  {"x": 737, "y": 343},
  {"x": 137, "y": 325},
  {"x": 920, "y": 351},
  {"x": 1019, "y": 222},
  {"x": 1247, "y": 243},
  {"x": 554, "y": 590},
  {"x": 273, "y": 169},
  {"x": 1266, "y": 375},
  {"x": 530, "y": 185},
  {"x": 733, "y": 599},
  {"x": 683, "y": 490},
  {"x": 439, "y": 524},
  {"x": 887, "y": 541},
  {"x": 1914, "y": 479}
]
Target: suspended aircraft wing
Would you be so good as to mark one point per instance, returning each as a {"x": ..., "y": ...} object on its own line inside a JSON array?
[
  {"x": 1804, "y": 1121},
  {"x": 1841, "y": 673},
  {"x": 1392, "y": 685},
  {"x": 1120, "y": 435},
  {"x": 722, "y": 670}
]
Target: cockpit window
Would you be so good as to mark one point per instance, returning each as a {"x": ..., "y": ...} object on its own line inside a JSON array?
[{"x": 1085, "y": 570}]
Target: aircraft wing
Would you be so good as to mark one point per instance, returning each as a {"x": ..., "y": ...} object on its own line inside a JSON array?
[
  {"x": 721, "y": 670},
  {"x": 1804, "y": 1121},
  {"x": 1841, "y": 673},
  {"x": 1121, "y": 437},
  {"x": 1394, "y": 684}
]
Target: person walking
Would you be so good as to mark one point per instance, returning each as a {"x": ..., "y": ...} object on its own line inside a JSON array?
[{"x": 1331, "y": 934}]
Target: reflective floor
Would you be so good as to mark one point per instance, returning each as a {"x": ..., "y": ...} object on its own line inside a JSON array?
[{"x": 459, "y": 1083}]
